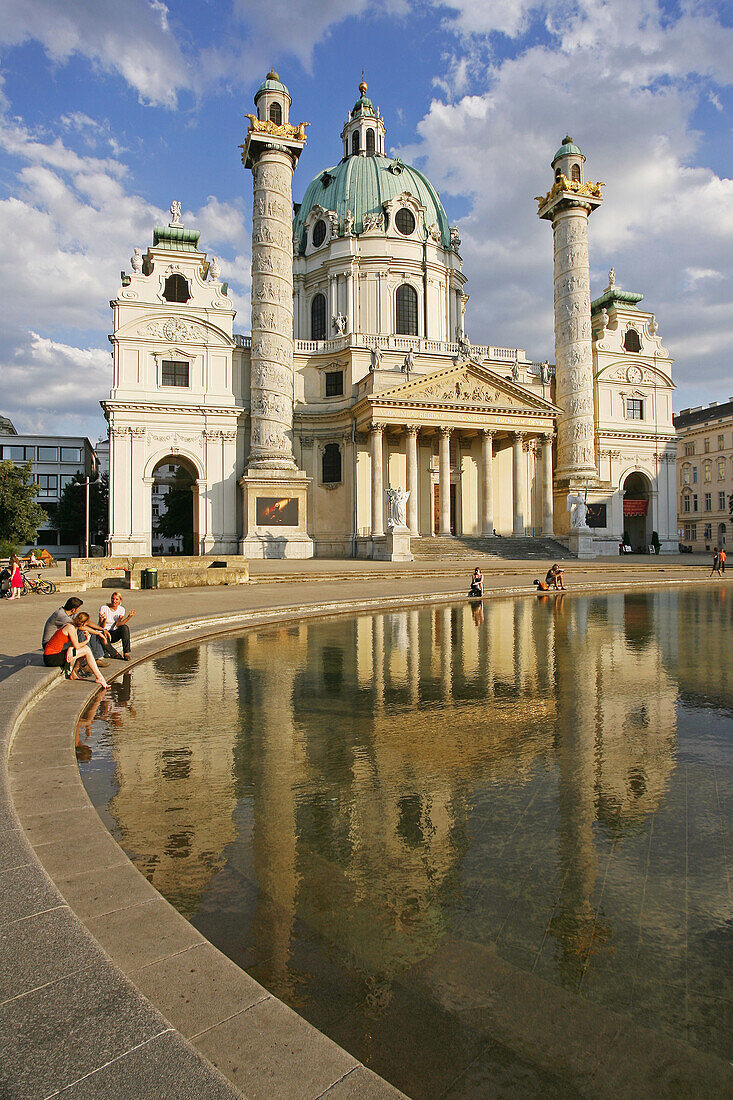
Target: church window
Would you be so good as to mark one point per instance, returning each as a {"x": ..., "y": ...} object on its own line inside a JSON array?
[
  {"x": 575, "y": 173},
  {"x": 334, "y": 383},
  {"x": 405, "y": 222},
  {"x": 174, "y": 373},
  {"x": 276, "y": 114},
  {"x": 632, "y": 341},
  {"x": 708, "y": 471},
  {"x": 176, "y": 289},
  {"x": 634, "y": 408},
  {"x": 370, "y": 141},
  {"x": 406, "y": 303},
  {"x": 318, "y": 317},
  {"x": 355, "y": 143},
  {"x": 558, "y": 173},
  {"x": 319, "y": 233},
  {"x": 331, "y": 464}
]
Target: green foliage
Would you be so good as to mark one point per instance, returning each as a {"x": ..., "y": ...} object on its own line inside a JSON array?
[
  {"x": 20, "y": 513},
  {"x": 7, "y": 549},
  {"x": 177, "y": 520},
  {"x": 70, "y": 514}
]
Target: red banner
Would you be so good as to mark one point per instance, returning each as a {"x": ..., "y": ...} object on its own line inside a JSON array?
[{"x": 635, "y": 507}]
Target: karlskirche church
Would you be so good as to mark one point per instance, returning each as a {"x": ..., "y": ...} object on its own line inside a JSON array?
[{"x": 357, "y": 419}]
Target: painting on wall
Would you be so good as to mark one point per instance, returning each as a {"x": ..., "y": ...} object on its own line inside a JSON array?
[{"x": 277, "y": 511}]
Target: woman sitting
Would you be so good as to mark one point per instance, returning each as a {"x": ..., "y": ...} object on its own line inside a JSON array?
[
  {"x": 477, "y": 583},
  {"x": 65, "y": 650},
  {"x": 554, "y": 577}
]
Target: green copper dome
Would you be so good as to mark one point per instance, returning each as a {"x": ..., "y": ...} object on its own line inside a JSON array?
[
  {"x": 567, "y": 149},
  {"x": 271, "y": 83},
  {"x": 363, "y": 106},
  {"x": 362, "y": 185}
]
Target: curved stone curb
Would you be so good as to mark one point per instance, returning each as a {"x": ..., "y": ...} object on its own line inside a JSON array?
[{"x": 88, "y": 947}]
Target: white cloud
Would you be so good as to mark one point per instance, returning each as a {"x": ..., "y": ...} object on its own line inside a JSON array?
[{"x": 625, "y": 84}]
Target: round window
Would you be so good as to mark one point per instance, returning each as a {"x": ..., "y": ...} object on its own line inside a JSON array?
[
  {"x": 319, "y": 233},
  {"x": 405, "y": 222}
]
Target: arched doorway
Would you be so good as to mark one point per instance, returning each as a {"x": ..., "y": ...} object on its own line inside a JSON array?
[
  {"x": 637, "y": 512},
  {"x": 174, "y": 510},
  {"x": 722, "y": 531}
]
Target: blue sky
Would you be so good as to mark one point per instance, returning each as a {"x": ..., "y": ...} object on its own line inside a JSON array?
[{"x": 108, "y": 111}]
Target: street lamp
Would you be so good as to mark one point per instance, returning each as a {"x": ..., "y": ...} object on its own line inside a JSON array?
[{"x": 85, "y": 483}]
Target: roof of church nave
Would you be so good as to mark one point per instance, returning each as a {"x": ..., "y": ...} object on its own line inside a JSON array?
[{"x": 363, "y": 182}]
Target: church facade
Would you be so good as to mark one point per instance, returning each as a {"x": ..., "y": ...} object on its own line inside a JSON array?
[{"x": 358, "y": 376}]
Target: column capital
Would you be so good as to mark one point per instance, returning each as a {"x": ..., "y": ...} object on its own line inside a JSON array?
[
  {"x": 446, "y": 430},
  {"x": 376, "y": 428},
  {"x": 519, "y": 436},
  {"x": 412, "y": 429},
  {"x": 488, "y": 433},
  {"x": 547, "y": 437}
]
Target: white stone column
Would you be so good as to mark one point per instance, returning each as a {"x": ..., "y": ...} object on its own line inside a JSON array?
[
  {"x": 444, "y": 481},
  {"x": 271, "y": 412},
  {"x": 518, "y": 484},
  {"x": 377, "y": 432},
  {"x": 547, "y": 504},
  {"x": 412, "y": 480},
  {"x": 487, "y": 482},
  {"x": 332, "y": 304}
]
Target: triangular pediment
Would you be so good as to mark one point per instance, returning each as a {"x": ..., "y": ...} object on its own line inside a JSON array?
[{"x": 465, "y": 385}]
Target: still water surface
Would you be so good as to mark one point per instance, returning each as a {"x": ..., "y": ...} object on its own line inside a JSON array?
[{"x": 472, "y": 844}]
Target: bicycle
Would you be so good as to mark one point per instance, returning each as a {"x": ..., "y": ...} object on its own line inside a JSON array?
[{"x": 39, "y": 586}]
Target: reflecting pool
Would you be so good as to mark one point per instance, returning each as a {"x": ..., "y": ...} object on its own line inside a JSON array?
[{"x": 484, "y": 848}]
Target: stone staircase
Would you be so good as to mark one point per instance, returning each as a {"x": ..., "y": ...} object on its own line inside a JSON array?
[{"x": 466, "y": 548}]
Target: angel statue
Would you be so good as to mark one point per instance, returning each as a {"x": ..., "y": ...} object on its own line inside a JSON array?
[
  {"x": 214, "y": 268},
  {"x": 339, "y": 323},
  {"x": 175, "y": 213},
  {"x": 397, "y": 503},
  {"x": 578, "y": 511},
  {"x": 375, "y": 357},
  {"x": 136, "y": 261},
  {"x": 409, "y": 364}
]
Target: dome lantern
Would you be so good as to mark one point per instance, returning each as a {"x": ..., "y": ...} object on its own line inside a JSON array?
[
  {"x": 363, "y": 133},
  {"x": 568, "y": 161},
  {"x": 272, "y": 100}
]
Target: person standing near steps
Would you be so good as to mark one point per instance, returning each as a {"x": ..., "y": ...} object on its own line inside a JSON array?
[{"x": 114, "y": 619}]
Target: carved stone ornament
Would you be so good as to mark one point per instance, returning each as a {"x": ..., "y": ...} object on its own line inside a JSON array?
[
  {"x": 173, "y": 328},
  {"x": 372, "y": 222},
  {"x": 136, "y": 261},
  {"x": 634, "y": 374},
  {"x": 562, "y": 184},
  {"x": 464, "y": 389},
  {"x": 285, "y": 130},
  {"x": 397, "y": 504}
]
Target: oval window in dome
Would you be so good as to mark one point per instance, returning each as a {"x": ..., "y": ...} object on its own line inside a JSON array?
[
  {"x": 319, "y": 233},
  {"x": 405, "y": 222}
]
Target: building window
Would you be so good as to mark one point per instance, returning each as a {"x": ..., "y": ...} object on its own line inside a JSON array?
[
  {"x": 48, "y": 454},
  {"x": 694, "y": 475},
  {"x": 175, "y": 289},
  {"x": 632, "y": 341},
  {"x": 64, "y": 480},
  {"x": 174, "y": 373},
  {"x": 721, "y": 442},
  {"x": 370, "y": 141},
  {"x": 71, "y": 454},
  {"x": 721, "y": 469},
  {"x": 406, "y": 310},
  {"x": 318, "y": 317},
  {"x": 276, "y": 114},
  {"x": 334, "y": 383},
  {"x": 721, "y": 502},
  {"x": 331, "y": 464},
  {"x": 686, "y": 503},
  {"x": 708, "y": 502},
  {"x": 694, "y": 502},
  {"x": 18, "y": 454},
  {"x": 686, "y": 475},
  {"x": 355, "y": 143},
  {"x": 708, "y": 470},
  {"x": 48, "y": 485},
  {"x": 689, "y": 448},
  {"x": 706, "y": 445},
  {"x": 690, "y": 532},
  {"x": 319, "y": 233},
  {"x": 708, "y": 532},
  {"x": 634, "y": 408},
  {"x": 405, "y": 222},
  {"x": 575, "y": 173}
]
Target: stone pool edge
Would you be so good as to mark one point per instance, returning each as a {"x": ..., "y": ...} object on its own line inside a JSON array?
[{"x": 59, "y": 856}]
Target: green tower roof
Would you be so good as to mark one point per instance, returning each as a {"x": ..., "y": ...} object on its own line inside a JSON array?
[
  {"x": 568, "y": 149},
  {"x": 176, "y": 238},
  {"x": 272, "y": 83},
  {"x": 362, "y": 185}
]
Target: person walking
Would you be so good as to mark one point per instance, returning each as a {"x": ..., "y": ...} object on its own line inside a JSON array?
[
  {"x": 722, "y": 557},
  {"x": 716, "y": 562}
]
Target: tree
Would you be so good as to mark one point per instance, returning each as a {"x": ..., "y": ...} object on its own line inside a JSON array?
[
  {"x": 177, "y": 519},
  {"x": 20, "y": 513},
  {"x": 70, "y": 514}
]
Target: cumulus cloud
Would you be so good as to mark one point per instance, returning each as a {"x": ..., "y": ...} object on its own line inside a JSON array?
[{"x": 625, "y": 83}]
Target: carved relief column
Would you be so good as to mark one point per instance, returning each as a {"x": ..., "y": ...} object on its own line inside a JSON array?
[
  {"x": 518, "y": 480},
  {"x": 547, "y": 516},
  {"x": 444, "y": 481},
  {"x": 412, "y": 480},
  {"x": 377, "y": 431},
  {"x": 487, "y": 481}
]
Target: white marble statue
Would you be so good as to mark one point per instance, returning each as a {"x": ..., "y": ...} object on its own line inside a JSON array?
[
  {"x": 465, "y": 351},
  {"x": 137, "y": 261},
  {"x": 175, "y": 213},
  {"x": 349, "y": 224},
  {"x": 214, "y": 268},
  {"x": 409, "y": 364},
  {"x": 339, "y": 323},
  {"x": 375, "y": 357},
  {"x": 397, "y": 504},
  {"x": 578, "y": 511},
  {"x": 612, "y": 277},
  {"x": 545, "y": 372},
  {"x": 515, "y": 371}
]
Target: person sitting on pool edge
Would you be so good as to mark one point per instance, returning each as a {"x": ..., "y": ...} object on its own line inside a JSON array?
[
  {"x": 554, "y": 577},
  {"x": 477, "y": 583},
  {"x": 114, "y": 619},
  {"x": 64, "y": 650}
]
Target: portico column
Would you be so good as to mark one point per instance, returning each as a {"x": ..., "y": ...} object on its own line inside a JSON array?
[
  {"x": 444, "y": 481},
  {"x": 487, "y": 485},
  {"x": 412, "y": 486},
  {"x": 518, "y": 484},
  {"x": 547, "y": 517},
  {"x": 377, "y": 509}
]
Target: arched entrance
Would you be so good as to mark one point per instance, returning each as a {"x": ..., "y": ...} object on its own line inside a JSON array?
[
  {"x": 637, "y": 512},
  {"x": 722, "y": 531},
  {"x": 174, "y": 507}
]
